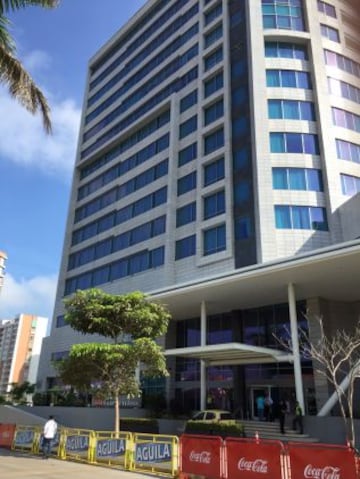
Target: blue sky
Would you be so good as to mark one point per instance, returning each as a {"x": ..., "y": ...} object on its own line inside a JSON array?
[{"x": 35, "y": 170}]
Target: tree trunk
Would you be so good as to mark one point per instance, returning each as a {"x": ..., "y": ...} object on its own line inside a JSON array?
[{"x": 117, "y": 414}]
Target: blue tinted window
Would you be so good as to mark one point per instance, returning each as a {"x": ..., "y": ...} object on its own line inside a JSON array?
[
  {"x": 291, "y": 110},
  {"x": 288, "y": 79},
  {"x": 214, "y": 172},
  {"x": 213, "y": 112},
  {"x": 241, "y": 192},
  {"x": 330, "y": 33},
  {"x": 350, "y": 185},
  {"x": 213, "y": 59},
  {"x": 294, "y": 143},
  {"x": 214, "y": 204},
  {"x": 186, "y": 214},
  {"x": 214, "y": 141},
  {"x": 213, "y": 36},
  {"x": 187, "y": 154},
  {"x": 285, "y": 50},
  {"x": 186, "y": 183},
  {"x": 297, "y": 179},
  {"x": 300, "y": 217},
  {"x": 283, "y": 14},
  {"x": 188, "y": 101},
  {"x": 242, "y": 228},
  {"x": 185, "y": 247},
  {"x": 188, "y": 127},
  {"x": 214, "y": 240},
  {"x": 213, "y": 13},
  {"x": 214, "y": 84},
  {"x": 326, "y": 8},
  {"x": 348, "y": 151}
]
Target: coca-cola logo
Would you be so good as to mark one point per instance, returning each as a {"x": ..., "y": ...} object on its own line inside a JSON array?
[
  {"x": 258, "y": 465},
  {"x": 203, "y": 457},
  {"x": 327, "y": 472}
]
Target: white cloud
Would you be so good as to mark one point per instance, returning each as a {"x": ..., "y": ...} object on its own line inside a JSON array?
[
  {"x": 23, "y": 140},
  {"x": 32, "y": 296}
]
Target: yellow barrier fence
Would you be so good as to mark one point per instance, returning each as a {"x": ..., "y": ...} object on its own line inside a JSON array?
[
  {"x": 156, "y": 454},
  {"x": 26, "y": 438},
  {"x": 77, "y": 444},
  {"x": 113, "y": 449}
]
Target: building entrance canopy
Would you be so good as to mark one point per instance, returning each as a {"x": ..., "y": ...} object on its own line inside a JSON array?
[{"x": 228, "y": 354}]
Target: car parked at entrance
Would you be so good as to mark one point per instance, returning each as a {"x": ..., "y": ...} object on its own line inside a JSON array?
[{"x": 211, "y": 415}]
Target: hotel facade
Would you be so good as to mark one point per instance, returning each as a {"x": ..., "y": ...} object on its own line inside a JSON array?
[{"x": 218, "y": 170}]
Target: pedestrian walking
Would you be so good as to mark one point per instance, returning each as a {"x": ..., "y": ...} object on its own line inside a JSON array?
[
  {"x": 282, "y": 415},
  {"x": 49, "y": 433},
  {"x": 268, "y": 407},
  {"x": 298, "y": 419},
  {"x": 260, "y": 407}
]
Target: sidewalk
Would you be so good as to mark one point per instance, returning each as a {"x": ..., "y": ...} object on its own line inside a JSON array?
[{"x": 17, "y": 465}]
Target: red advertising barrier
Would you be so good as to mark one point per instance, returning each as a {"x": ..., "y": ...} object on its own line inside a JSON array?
[
  {"x": 201, "y": 455},
  {"x": 321, "y": 461},
  {"x": 7, "y": 432},
  {"x": 253, "y": 459}
]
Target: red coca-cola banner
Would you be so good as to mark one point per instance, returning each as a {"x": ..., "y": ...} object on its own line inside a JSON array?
[
  {"x": 321, "y": 462},
  {"x": 250, "y": 459},
  {"x": 201, "y": 455}
]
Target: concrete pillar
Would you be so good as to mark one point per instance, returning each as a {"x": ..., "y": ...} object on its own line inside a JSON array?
[
  {"x": 295, "y": 347},
  {"x": 203, "y": 333}
]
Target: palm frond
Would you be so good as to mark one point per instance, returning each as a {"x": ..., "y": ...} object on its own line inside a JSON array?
[
  {"x": 22, "y": 87},
  {"x": 6, "y": 39},
  {"x": 8, "y": 5}
]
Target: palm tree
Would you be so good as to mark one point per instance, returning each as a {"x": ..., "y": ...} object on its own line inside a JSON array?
[{"x": 12, "y": 73}]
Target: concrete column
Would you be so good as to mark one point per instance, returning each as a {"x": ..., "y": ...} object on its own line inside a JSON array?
[
  {"x": 295, "y": 347},
  {"x": 203, "y": 333}
]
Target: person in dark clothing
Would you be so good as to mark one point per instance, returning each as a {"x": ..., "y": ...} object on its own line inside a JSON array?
[
  {"x": 282, "y": 415},
  {"x": 298, "y": 419}
]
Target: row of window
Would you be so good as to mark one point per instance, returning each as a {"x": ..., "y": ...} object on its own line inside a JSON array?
[
  {"x": 286, "y": 50},
  {"x": 163, "y": 94},
  {"x": 330, "y": 33},
  {"x": 326, "y": 8},
  {"x": 291, "y": 110},
  {"x": 343, "y": 89},
  {"x": 172, "y": 11},
  {"x": 283, "y": 14},
  {"x": 288, "y": 79},
  {"x": 118, "y": 217},
  {"x": 214, "y": 241},
  {"x": 305, "y": 179},
  {"x": 350, "y": 185},
  {"x": 211, "y": 114},
  {"x": 348, "y": 151},
  {"x": 300, "y": 217},
  {"x": 174, "y": 87},
  {"x": 346, "y": 119},
  {"x": 213, "y": 36},
  {"x": 141, "y": 233},
  {"x": 136, "y": 263},
  {"x": 130, "y": 141},
  {"x": 343, "y": 63},
  {"x": 123, "y": 167},
  {"x": 213, "y": 59},
  {"x": 136, "y": 96},
  {"x": 294, "y": 143},
  {"x": 148, "y": 67},
  {"x": 115, "y": 194}
]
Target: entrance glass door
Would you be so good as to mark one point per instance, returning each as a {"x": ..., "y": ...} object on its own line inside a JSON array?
[{"x": 258, "y": 392}]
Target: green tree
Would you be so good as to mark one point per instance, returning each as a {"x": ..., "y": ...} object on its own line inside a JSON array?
[
  {"x": 19, "y": 391},
  {"x": 132, "y": 323},
  {"x": 12, "y": 73}
]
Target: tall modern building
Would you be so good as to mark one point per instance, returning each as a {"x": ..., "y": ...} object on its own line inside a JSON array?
[
  {"x": 217, "y": 169},
  {"x": 20, "y": 345}
]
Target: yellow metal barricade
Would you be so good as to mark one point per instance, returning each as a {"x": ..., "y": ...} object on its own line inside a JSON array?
[
  {"x": 26, "y": 438},
  {"x": 77, "y": 444},
  {"x": 156, "y": 453},
  {"x": 55, "y": 444},
  {"x": 113, "y": 449}
]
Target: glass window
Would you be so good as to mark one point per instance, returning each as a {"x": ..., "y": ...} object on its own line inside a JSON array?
[
  {"x": 242, "y": 228},
  {"x": 188, "y": 127},
  {"x": 186, "y": 183},
  {"x": 187, "y": 154},
  {"x": 212, "y": 14},
  {"x": 330, "y": 33},
  {"x": 186, "y": 214},
  {"x": 294, "y": 143},
  {"x": 214, "y": 240},
  {"x": 214, "y": 84},
  {"x": 285, "y": 50},
  {"x": 326, "y": 8},
  {"x": 213, "y": 36},
  {"x": 350, "y": 185},
  {"x": 188, "y": 101},
  {"x": 214, "y": 172},
  {"x": 287, "y": 14},
  {"x": 348, "y": 151},
  {"x": 213, "y": 59},
  {"x": 185, "y": 247},
  {"x": 300, "y": 217},
  {"x": 288, "y": 79},
  {"x": 214, "y": 141},
  {"x": 214, "y": 204},
  {"x": 213, "y": 112},
  {"x": 241, "y": 192}
]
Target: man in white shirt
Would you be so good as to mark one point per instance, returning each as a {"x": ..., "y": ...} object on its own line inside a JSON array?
[{"x": 50, "y": 429}]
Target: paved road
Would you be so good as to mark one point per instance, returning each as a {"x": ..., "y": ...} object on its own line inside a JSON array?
[{"x": 15, "y": 465}]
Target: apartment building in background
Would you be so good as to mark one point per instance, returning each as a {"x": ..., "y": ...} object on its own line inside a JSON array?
[
  {"x": 20, "y": 345},
  {"x": 218, "y": 169},
  {"x": 3, "y": 259}
]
